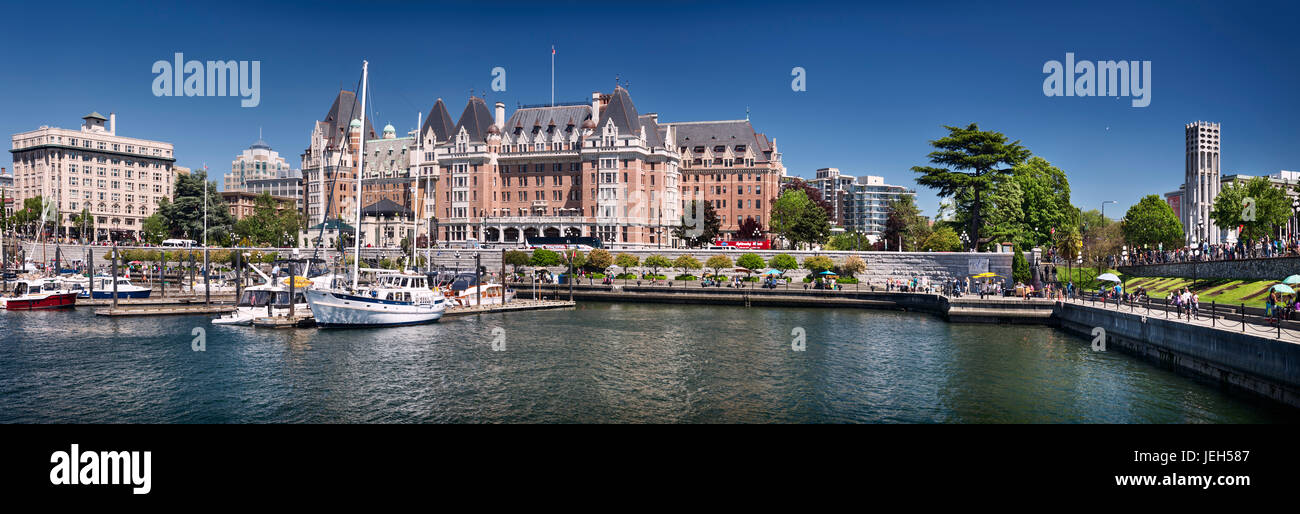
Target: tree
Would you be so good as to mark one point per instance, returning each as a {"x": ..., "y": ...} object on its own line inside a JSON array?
[
  {"x": 750, "y": 230},
  {"x": 655, "y": 262},
  {"x": 845, "y": 241},
  {"x": 1151, "y": 223},
  {"x": 1101, "y": 236},
  {"x": 853, "y": 265},
  {"x": 154, "y": 228},
  {"x": 1019, "y": 267},
  {"x": 1271, "y": 208},
  {"x": 750, "y": 261},
  {"x": 84, "y": 222},
  {"x": 698, "y": 233},
  {"x": 797, "y": 219},
  {"x": 717, "y": 263},
  {"x": 905, "y": 228},
  {"x": 783, "y": 261},
  {"x": 686, "y": 262},
  {"x": 516, "y": 259},
  {"x": 184, "y": 214},
  {"x": 981, "y": 152},
  {"x": 599, "y": 260},
  {"x": 942, "y": 239},
  {"x": 625, "y": 261},
  {"x": 544, "y": 257},
  {"x": 813, "y": 194},
  {"x": 818, "y": 263}
]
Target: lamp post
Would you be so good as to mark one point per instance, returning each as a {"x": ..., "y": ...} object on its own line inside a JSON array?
[{"x": 1295, "y": 217}]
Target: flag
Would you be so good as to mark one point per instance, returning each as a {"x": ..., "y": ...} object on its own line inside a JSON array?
[{"x": 552, "y": 49}]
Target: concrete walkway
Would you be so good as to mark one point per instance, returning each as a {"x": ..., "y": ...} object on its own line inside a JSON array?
[{"x": 1228, "y": 322}]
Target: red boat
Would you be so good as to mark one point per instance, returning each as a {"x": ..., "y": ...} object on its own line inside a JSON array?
[{"x": 38, "y": 294}]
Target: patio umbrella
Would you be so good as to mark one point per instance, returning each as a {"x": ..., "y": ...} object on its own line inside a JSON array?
[
  {"x": 299, "y": 282},
  {"x": 987, "y": 274},
  {"x": 1284, "y": 289},
  {"x": 1291, "y": 280},
  {"x": 772, "y": 272},
  {"x": 1109, "y": 277},
  {"x": 827, "y": 273}
]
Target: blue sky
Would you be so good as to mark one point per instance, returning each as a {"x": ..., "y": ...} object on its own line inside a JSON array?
[{"x": 882, "y": 78}]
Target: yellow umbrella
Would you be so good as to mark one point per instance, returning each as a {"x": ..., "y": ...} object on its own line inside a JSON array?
[
  {"x": 299, "y": 282},
  {"x": 988, "y": 274}
]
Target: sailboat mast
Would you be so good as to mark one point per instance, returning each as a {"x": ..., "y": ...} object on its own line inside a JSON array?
[
  {"x": 415, "y": 188},
  {"x": 361, "y": 159}
]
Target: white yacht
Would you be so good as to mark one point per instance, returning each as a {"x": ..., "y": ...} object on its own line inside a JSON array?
[
  {"x": 493, "y": 294},
  {"x": 268, "y": 299},
  {"x": 393, "y": 299},
  {"x": 125, "y": 289}
]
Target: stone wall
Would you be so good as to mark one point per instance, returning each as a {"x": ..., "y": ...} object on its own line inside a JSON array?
[
  {"x": 1253, "y": 361},
  {"x": 1245, "y": 269}
]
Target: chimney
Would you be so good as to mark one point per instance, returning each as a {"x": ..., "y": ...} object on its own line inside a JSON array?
[
  {"x": 654, "y": 116},
  {"x": 112, "y": 123},
  {"x": 501, "y": 116},
  {"x": 595, "y": 106}
]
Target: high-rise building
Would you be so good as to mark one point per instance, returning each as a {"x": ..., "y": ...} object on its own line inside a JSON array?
[
  {"x": 1201, "y": 182},
  {"x": 861, "y": 204},
  {"x": 257, "y": 162},
  {"x": 120, "y": 180}
]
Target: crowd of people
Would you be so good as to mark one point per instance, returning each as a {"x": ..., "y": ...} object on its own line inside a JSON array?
[{"x": 1262, "y": 248}]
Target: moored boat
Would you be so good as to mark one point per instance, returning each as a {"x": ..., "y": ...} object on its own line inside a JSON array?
[
  {"x": 38, "y": 294},
  {"x": 125, "y": 289},
  {"x": 394, "y": 299}
]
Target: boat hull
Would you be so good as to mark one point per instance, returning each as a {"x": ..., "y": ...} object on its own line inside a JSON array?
[
  {"x": 50, "y": 301},
  {"x": 105, "y": 295},
  {"x": 334, "y": 309}
]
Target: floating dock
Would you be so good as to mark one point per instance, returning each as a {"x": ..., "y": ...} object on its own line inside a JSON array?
[
  {"x": 164, "y": 310},
  {"x": 513, "y": 305},
  {"x": 299, "y": 321},
  {"x": 157, "y": 300}
]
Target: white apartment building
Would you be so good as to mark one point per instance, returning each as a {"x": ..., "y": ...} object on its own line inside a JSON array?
[{"x": 120, "y": 180}]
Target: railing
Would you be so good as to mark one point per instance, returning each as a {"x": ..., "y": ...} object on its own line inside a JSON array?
[{"x": 1227, "y": 317}]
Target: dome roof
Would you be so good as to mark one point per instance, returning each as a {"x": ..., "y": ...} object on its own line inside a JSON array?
[
  {"x": 492, "y": 129},
  {"x": 589, "y": 124},
  {"x": 356, "y": 123},
  {"x": 260, "y": 145},
  {"x": 389, "y": 128}
]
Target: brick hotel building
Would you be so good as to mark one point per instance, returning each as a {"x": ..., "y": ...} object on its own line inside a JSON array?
[
  {"x": 121, "y": 180},
  {"x": 598, "y": 169}
]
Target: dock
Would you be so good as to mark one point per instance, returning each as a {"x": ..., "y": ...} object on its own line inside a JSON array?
[
  {"x": 157, "y": 300},
  {"x": 164, "y": 310},
  {"x": 302, "y": 321},
  {"x": 512, "y": 306}
]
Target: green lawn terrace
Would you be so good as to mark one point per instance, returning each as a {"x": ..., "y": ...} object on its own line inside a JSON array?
[{"x": 1252, "y": 292}]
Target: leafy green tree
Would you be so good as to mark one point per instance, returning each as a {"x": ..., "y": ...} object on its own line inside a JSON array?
[
  {"x": 818, "y": 263},
  {"x": 783, "y": 261},
  {"x": 905, "y": 225},
  {"x": 516, "y": 259},
  {"x": 717, "y": 263},
  {"x": 84, "y": 222},
  {"x": 154, "y": 228},
  {"x": 544, "y": 257},
  {"x": 1272, "y": 208},
  {"x": 750, "y": 261},
  {"x": 686, "y": 262},
  {"x": 798, "y": 219},
  {"x": 1151, "y": 223},
  {"x": 184, "y": 214},
  {"x": 626, "y": 260},
  {"x": 846, "y": 241},
  {"x": 942, "y": 239},
  {"x": 657, "y": 262},
  {"x": 814, "y": 194},
  {"x": 1100, "y": 236},
  {"x": 1019, "y": 267},
  {"x": 986, "y": 154},
  {"x": 599, "y": 260},
  {"x": 699, "y": 232}
]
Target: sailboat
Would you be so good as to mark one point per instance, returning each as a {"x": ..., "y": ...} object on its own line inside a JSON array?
[{"x": 394, "y": 298}]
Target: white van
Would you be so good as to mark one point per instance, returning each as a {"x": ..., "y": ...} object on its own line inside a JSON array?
[{"x": 179, "y": 243}]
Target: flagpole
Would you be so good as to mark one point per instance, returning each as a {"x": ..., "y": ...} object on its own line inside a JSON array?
[{"x": 552, "y": 75}]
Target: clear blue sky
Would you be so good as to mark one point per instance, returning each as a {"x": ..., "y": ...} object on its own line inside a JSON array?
[{"x": 882, "y": 79}]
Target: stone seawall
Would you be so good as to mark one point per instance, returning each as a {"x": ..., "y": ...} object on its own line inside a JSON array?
[
  {"x": 1245, "y": 269},
  {"x": 1266, "y": 366}
]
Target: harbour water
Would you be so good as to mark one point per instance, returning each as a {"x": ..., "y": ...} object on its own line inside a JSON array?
[{"x": 599, "y": 362}]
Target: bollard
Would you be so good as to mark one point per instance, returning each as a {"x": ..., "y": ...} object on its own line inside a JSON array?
[
  {"x": 1212, "y": 320},
  {"x": 1243, "y": 317}
]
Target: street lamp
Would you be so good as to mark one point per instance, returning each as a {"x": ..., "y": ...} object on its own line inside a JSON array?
[{"x": 1295, "y": 212}]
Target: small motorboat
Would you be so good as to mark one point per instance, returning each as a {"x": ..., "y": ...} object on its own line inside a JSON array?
[
  {"x": 38, "y": 294},
  {"x": 125, "y": 289},
  {"x": 492, "y": 294}
]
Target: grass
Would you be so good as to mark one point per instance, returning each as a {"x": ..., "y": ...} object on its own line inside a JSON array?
[{"x": 1252, "y": 292}]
